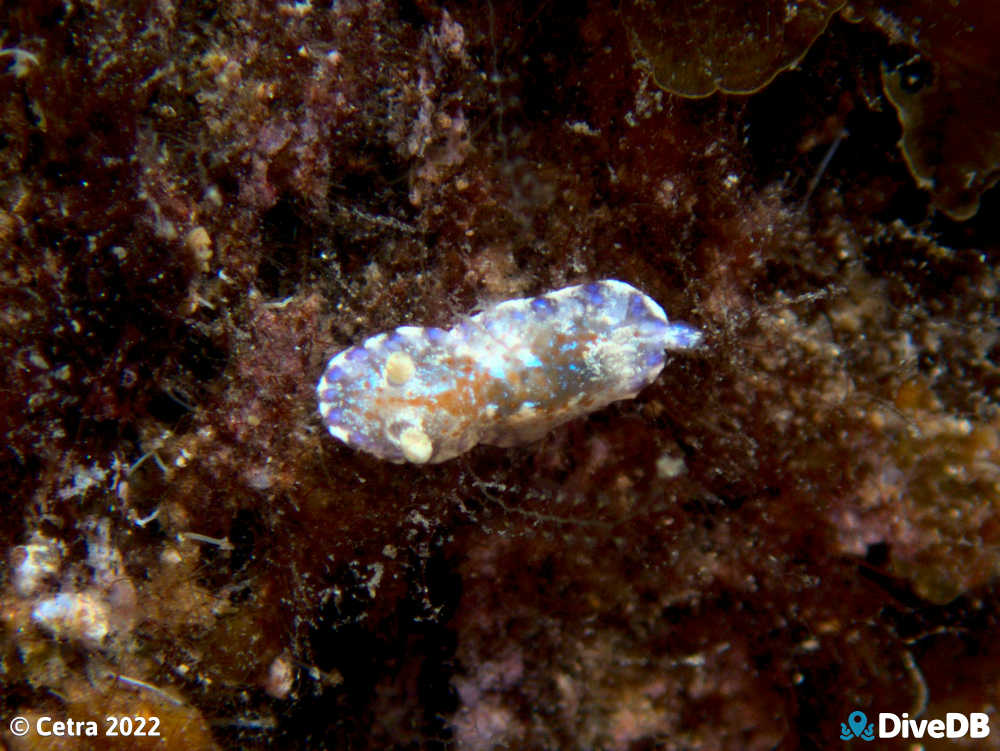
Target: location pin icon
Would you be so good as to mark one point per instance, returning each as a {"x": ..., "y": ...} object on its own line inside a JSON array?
[{"x": 857, "y": 721}]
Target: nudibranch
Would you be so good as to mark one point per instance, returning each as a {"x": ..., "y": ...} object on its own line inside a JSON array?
[{"x": 505, "y": 376}]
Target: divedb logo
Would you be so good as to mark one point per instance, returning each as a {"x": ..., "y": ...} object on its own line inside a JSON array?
[{"x": 954, "y": 725}]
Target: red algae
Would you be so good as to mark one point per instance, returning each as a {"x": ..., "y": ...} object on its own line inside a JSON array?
[{"x": 697, "y": 49}]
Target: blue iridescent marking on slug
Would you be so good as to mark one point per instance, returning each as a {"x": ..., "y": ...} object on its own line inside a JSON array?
[
  {"x": 530, "y": 360},
  {"x": 504, "y": 376},
  {"x": 435, "y": 334},
  {"x": 684, "y": 336},
  {"x": 541, "y": 305},
  {"x": 594, "y": 295},
  {"x": 637, "y": 306},
  {"x": 359, "y": 440}
]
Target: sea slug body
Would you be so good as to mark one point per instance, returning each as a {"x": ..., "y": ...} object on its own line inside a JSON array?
[{"x": 504, "y": 376}]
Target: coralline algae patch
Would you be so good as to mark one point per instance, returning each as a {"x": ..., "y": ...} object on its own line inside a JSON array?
[{"x": 505, "y": 376}]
